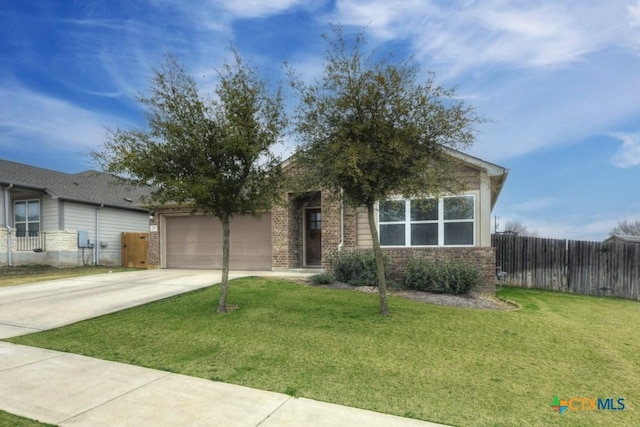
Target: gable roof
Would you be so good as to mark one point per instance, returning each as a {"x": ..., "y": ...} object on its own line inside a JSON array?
[
  {"x": 618, "y": 238},
  {"x": 497, "y": 174},
  {"x": 91, "y": 187}
]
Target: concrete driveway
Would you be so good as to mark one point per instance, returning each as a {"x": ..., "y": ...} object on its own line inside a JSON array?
[{"x": 46, "y": 305}]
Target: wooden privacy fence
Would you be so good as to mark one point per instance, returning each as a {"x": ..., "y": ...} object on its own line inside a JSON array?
[
  {"x": 581, "y": 267},
  {"x": 135, "y": 247}
]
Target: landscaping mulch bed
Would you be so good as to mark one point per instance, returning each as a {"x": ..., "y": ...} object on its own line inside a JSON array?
[{"x": 472, "y": 300}]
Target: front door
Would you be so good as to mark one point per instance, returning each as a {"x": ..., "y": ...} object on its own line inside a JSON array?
[{"x": 313, "y": 237}]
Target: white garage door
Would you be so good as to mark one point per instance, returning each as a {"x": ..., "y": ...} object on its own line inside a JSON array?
[{"x": 196, "y": 242}]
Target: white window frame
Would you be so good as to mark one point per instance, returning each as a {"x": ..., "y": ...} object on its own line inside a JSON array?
[
  {"x": 440, "y": 221},
  {"x": 26, "y": 219}
]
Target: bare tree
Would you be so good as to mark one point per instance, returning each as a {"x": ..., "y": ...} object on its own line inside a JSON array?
[
  {"x": 626, "y": 228},
  {"x": 518, "y": 228}
]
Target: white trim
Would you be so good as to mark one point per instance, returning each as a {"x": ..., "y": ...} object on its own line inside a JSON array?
[
  {"x": 492, "y": 169},
  {"x": 440, "y": 222}
]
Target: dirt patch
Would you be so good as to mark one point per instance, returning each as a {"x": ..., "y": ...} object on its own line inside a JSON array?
[{"x": 472, "y": 300}]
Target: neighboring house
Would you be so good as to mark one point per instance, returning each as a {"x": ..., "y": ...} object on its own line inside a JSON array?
[
  {"x": 311, "y": 228},
  {"x": 61, "y": 219},
  {"x": 616, "y": 238}
]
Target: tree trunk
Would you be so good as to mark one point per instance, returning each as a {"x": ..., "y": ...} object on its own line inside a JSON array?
[
  {"x": 377, "y": 251},
  {"x": 222, "y": 305}
]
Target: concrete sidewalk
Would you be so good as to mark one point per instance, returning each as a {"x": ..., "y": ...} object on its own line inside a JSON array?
[{"x": 72, "y": 390}]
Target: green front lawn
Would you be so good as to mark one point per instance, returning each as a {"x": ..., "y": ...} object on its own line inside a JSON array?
[
  {"x": 10, "y": 420},
  {"x": 442, "y": 364}
]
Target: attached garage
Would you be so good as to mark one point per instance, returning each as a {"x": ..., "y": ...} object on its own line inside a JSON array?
[{"x": 194, "y": 241}]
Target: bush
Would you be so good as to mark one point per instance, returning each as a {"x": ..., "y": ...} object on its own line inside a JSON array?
[
  {"x": 443, "y": 277},
  {"x": 357, "y": 267},
  {"x": 321, "y": 279}
]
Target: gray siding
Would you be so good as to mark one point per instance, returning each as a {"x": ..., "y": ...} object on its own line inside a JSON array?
[
  {"x": 48, "y": 213},
  {"x": 2, "y": 207},
  {"x": 113, "y": 222},
  {"x": 78, "y": 216}
]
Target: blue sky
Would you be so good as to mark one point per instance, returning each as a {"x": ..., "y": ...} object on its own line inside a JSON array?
[{"x": 560, "y": 80}]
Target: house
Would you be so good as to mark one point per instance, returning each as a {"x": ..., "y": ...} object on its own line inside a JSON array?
[
  {"x": 60, "y": 219},
  {"x": 311, "y": 228},
  {"x": 616, "y": 238}
]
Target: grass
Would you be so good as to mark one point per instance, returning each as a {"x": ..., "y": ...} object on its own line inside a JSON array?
[
  {"x": 19, "y": 275},
  {"x": 442, "y": 364},
  {"x": 10, "y": 420}
]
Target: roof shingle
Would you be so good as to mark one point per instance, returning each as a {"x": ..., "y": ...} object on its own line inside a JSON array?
[{"x": 88, "y": 187}]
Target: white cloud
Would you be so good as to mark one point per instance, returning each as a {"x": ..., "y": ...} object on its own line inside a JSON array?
[
  {"x": 27, "y": 116},
  {"x": 629, "y": 154},
  {"x": 536, "y": 36},
  {"x": 118, "y": 59},
  {"x": 218, "y": 14},
  {"x": 550, "y": 92},
  {"x": 541, "y": 34},
  {"x": 384, "y": 19},
  {"x": 257, "y": 8},
  {"x": 541, "y": 71},
  {"x": 537, "y": 110},
  {"x": 465, "y": 35}
]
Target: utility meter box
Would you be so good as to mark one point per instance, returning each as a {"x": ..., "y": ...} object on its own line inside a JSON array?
[{"x": 83, "y": 239}]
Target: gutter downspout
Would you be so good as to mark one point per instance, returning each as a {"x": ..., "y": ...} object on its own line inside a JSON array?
[
  {"x": 7, "y": 200},
  {"x": 341, "y": 244},
  {"x": 96, "y": 242}
]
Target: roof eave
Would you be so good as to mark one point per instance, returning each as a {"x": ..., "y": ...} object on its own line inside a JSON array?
[
  {"x": 497, "y": 182},
  {"x": 18, "y": 184},
  {"x": 491, "y": 168},
  {"x": 133, "y": 207}
]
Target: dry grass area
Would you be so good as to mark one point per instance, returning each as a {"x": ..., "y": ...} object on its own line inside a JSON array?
[{"x": 19, "y": 275}]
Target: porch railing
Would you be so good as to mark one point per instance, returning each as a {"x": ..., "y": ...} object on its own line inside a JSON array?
[{"x": 30, "y": 241}]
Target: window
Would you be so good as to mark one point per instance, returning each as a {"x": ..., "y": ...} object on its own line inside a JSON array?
[
  {"x": 392, "y": 214},
  {"x": 448, "y": 221},
  {"x": 26, "y": 215},
  {"x": 315, "y": 221}
]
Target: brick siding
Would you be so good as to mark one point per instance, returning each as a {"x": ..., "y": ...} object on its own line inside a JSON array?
[
  {"x": 330, "y": 227},
  {"x": 483, "y": 258},
  {"x": 286, "y": 235}
]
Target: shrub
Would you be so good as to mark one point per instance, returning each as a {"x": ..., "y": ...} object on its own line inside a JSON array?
[
  {"x": 356, "y": 267},
  {"x": 321, "y": 279},
  {"x": 443, "y": 277}
]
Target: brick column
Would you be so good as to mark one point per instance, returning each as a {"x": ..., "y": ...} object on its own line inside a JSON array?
[{"x": 330, "y": 227}]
